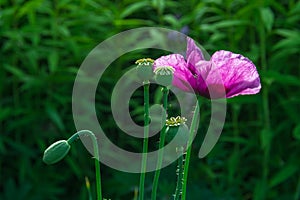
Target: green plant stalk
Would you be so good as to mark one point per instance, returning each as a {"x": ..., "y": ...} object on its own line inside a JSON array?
[
  {"x": 179, "y": 175},
  {"x": 145, "y": 141},
  {"x": 265, "y": 104},
  {"x": 165, "y": 91},
  {"x": 188, "y": 153},
  {"x": 96, "y": 154},
  {"x": 233, "y": 170}
]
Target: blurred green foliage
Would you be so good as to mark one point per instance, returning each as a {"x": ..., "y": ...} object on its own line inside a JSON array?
[{"x": 44, "y": 42}]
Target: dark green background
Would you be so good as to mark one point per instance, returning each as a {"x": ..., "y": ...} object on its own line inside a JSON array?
[{"x": 43, "y": 44}]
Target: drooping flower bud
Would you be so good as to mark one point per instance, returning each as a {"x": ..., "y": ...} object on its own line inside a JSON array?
[
  {"x": 144, "y": 68},
  {"x": 56, "y": 152},
  {"x": 177, "y": 127},
  {"x": 164, "y": 75}
]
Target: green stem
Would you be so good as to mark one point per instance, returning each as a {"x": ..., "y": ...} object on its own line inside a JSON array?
[
  {"x": 265, "y": 104},
  {"x": 145, "y": 142},
  {"x": 188, "y": 154},
  {"x": 96, "y": 155},
  {"x": 161, "y": 144},
  {"x": 179, "y": 174}
]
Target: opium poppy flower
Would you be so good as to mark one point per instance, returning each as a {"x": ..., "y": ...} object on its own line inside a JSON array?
[{"x": 225, "y": 75}]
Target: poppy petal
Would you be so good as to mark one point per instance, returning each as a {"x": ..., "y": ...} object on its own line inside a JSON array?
[
  {"x": 209, "y": 80},
  {"x": 238, "y": 73},
  {"x": 193, "y": 54}
]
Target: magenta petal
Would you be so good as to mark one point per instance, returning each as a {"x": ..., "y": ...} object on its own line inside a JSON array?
[
  {"x": 183, "y": 78},
  {"x": 238, "y": 73},
  {"x": 173, "y": 60},
  {"x": 193, "y": 54},
  {"x": 209, "y": 80}
]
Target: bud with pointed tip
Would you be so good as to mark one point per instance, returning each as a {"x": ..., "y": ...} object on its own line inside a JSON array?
[{"x": 56, "y": 152}]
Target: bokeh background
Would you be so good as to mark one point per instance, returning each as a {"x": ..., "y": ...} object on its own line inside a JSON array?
[{"x": 44, "y": 42}]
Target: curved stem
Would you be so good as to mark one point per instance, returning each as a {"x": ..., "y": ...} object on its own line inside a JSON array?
[
  {"x": 178, "y": 190},
  {"x": 96, "y": 154},
  {"x": 145, "y": 141},
  {"x": 188, "y": 154},
  {"x": 165, "y": 91}
]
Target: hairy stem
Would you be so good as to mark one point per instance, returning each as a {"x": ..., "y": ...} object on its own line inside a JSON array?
[
  {"x": 145, "y": 141},
  {"x": 161, "y": 144},
  {"x": 189, "y": 146},
  {"x": 178, "y": 190}
]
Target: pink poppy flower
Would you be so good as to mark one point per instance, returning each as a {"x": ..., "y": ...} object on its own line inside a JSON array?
[{"x": 225, "y": 75}]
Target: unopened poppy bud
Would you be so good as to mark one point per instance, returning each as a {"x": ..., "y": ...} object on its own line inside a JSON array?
[
  {"x": 164, "y": 75},
  {"x": 177, "y": 127},
  {"x": 144, "y": 68},
  {"x": 56, "y": 152}
]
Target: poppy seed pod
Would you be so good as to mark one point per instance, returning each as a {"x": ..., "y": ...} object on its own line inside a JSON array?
[
  {"x": 56, "y": 152},
  {"x": 164, "y": 75},
  {"x": 176, "y": 127},
  {"x": 144, "y": 68}
]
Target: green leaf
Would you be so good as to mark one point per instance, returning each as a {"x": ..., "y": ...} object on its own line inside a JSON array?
[
  {"x": 267, "y": 17},
  {"x": 171, "y": 19},
  {"x": 133, "y": 8},
  {"x": 276, "y": 77},
  {"x": 17, "y": 72},
  {"x": 291, "y": 39},
  {"x": 296, "y": 132},
  {"x": 5, "y": 113},
  {"x": 28, "y": 7},
  {"x": 283, "y": 175},
  {"x": 265, "y": 138},
  {"x": 159, "y": 5},
  {"x": 53, "y": 61},
  {"x": 259, "y": 191},
  {"x": 229, "y": 23},
  {"x": 295, "y": 9},
  {"x": 287, "y": 33},
  {"x": 132, "y": 22},
  {"x": 55, "y": 117}
]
